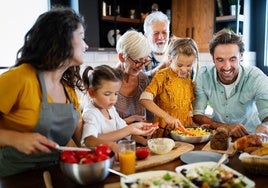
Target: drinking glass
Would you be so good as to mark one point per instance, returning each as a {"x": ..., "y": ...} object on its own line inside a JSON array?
[{"x": 127, "y": 156}]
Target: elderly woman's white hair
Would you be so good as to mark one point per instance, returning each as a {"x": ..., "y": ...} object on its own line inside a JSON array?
[{"x": 133, "y": 44}]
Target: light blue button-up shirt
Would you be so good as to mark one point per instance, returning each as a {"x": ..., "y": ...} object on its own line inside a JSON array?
[{"x": 247, "y": 103}]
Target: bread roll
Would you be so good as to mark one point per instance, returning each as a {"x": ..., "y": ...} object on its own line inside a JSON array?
[
  {"x": 248, "y": 141},
  {"x": 261, "y": 151}
]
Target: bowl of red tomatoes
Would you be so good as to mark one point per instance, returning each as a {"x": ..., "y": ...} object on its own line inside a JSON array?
[{"x": 86, "y": 167}]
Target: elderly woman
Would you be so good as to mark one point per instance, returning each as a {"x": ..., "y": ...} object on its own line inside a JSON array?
[{"x": 133, "y": 53}]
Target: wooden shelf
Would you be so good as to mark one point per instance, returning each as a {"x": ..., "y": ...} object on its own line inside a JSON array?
[
  {"x": 229, "y": 18},
  {"x": 121, "y": 19}
]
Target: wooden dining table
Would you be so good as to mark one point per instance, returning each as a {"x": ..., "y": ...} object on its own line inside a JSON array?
[{"x": 34, "y": 178}]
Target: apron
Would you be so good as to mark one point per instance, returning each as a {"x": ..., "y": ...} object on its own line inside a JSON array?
[{"x": 56, "y": 121}]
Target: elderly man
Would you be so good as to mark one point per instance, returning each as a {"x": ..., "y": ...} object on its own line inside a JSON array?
[
  {"x": 237, "y": 94},
  {"x": 156, "y": 29}
]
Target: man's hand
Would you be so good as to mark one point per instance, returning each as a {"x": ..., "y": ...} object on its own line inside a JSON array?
[
  {"x": 262, "y": 128},
  {"x": 237, "y": 130}
]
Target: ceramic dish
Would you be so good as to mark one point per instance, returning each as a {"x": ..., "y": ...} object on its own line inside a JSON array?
[
  {"x": 201, "y": 156},
  {"x": 197, "y": 172},
  {"x": 161, "y": 145},
  {"x": 166, "y": 178},
  {"x": 191, "y": 139}
]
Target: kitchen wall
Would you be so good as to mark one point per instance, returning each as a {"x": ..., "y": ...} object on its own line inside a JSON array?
[{"x": 95, "y": 58}]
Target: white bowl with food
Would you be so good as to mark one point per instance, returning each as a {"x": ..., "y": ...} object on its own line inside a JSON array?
[{"x": 161, "y": 145}]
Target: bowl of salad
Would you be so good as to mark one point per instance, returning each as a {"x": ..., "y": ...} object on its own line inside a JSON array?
[
  {"x": 204, "y": 174},
  {"x": 191, "y": 135}
]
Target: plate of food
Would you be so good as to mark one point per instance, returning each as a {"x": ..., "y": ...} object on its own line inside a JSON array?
[
  {"x": 158, "y": 178},
  {"x": 223, "y": 176},
  {"x": 201, "y": 156},
  {"x": 191, "y": 135}
]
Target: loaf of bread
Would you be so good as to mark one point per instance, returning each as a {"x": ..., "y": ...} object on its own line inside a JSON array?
[{"x": 220, "y": 139}]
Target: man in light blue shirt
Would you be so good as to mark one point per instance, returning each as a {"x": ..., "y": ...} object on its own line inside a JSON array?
[{"x": 237, "y": 94}]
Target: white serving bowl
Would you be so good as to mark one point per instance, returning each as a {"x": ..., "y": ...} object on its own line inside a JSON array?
[{"x": 161, "y": 145}]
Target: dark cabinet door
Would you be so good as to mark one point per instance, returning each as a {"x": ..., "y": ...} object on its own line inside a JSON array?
[{"x": 90, "y": 10}]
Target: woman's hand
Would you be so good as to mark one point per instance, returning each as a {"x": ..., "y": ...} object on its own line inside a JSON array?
[
  {"x": 134, "y": 118},
  {"x": 30, "y": 143}
]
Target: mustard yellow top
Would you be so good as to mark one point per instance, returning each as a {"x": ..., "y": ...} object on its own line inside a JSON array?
[
  {"x": 173, "y": 95},
  {"x": 20, "y": 98}
]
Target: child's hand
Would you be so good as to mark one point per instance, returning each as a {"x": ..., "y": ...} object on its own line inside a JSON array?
[
  {"x": 143, "y": 128},
  {"x": 115, "y": 148},
  {"x": 173, "y": 123}
]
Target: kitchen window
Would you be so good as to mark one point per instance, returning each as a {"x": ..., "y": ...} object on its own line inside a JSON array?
[{"x": 16, "y": 18}]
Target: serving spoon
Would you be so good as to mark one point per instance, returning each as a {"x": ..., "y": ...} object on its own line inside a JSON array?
[
  {"x": 221, "y": 160},
  {"x": 47, "y": 179},
  {"x": 128, "y": 180}
]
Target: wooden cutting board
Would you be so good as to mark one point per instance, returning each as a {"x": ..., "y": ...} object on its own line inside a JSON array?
[
  {"x": 154, "y": 159},
  {"x": 230, "y": 151},
  {"x": 112, "y": 185}
]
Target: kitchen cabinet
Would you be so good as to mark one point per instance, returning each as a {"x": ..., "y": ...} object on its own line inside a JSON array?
[
  {"x": 200, "y": 19},
  {"x": 228, "y": 20},
  {"x": 194, "y": 19},
  {"x": 118, "y": 16},
  {"x": 238, "y": 22}
]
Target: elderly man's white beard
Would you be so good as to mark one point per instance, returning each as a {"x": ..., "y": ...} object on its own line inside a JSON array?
[{"x": 159, "y": 48}]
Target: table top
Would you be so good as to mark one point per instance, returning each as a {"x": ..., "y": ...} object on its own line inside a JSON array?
[{"x": 33, "y": 179}]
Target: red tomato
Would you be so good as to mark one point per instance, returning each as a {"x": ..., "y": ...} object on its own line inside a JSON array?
[
  {"x": 103, "y": 149},
  {"x": 91, "y": 156},
  {"x": 142, "y": 153},
  {"x": 81, "y": 154},
  {"x": 101, "y": 157},
  {"x": 68, "y": 157}
]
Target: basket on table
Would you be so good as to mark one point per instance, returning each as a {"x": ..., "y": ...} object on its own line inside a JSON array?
[{"x": 255, "y": 164}]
